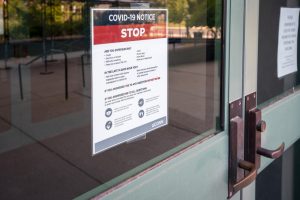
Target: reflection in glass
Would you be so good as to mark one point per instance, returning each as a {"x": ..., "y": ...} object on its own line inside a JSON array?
[{"x": 45, "y": 139}]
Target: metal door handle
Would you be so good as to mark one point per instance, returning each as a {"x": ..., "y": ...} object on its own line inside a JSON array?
[
  {"x": 241, "y": 172},
  {"x": 271, "y": 153},
  {"x": 247, "y": 179},
  {"x": 261, "y": 127},
  {"x": 255, "y": 128}
]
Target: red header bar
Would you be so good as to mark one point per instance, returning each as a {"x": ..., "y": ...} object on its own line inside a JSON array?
[{"x": 125, "y": 33}]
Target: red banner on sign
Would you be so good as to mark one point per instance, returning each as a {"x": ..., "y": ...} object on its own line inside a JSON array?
[{"x": 125, "y": 33}]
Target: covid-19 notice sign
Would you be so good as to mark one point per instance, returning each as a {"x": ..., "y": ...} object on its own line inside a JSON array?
[{"x": 129, "y": 74}]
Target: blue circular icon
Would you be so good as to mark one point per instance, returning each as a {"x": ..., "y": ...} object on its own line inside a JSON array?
[
  {"x": 108, "y": 125},
  {"x": 141, "y": 114},
  {"x": 108, "y": 112}
]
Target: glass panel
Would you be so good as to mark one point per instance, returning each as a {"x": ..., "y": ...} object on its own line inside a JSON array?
[
  {"x": 45, "y": 126},
  {"x": 269, "y": 86}
]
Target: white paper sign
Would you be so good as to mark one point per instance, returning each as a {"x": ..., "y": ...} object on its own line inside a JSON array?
[
  {"x": 129, "y": 74},
  {"x": 287, "y": 41}
]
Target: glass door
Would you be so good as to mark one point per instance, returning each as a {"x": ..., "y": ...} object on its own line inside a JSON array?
[
  {"x": 271, "y": 74},
  {"x": 45, "y": 105}
]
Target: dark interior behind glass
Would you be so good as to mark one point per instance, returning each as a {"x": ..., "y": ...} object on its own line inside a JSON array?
[
  {"x": 45, "y": 116},
  {"x": 268, "y": 85}
]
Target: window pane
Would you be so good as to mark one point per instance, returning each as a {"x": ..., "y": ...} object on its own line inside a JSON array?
[
  {"x": 45, "y": 138},
  {"x": 269, "y": 86}
]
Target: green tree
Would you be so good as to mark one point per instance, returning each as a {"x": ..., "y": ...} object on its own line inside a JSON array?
[
  {"x": 18, "y": 24},
  {"x": 178, "y": 10},
  {"x": 205, "y": 12}
]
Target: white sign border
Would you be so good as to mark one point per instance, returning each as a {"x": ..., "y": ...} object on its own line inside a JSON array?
[{"x": 94, "y": 153}]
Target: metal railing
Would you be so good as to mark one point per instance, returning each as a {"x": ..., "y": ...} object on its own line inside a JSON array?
[{"x": 45, "y": 62}]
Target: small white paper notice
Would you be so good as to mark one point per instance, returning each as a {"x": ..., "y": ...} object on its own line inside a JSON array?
[{"x": 287, "y": 41}]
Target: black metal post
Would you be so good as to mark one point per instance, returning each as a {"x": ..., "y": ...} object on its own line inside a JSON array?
[
  {"x": 82, "y": 69},
  {"x": 66, "y": 77},
  {"x": 6, "y": 33},
  {"x": 39, "y": 57},
  {"x": 44, "y": 13},
  {"x": 71, "y": 16},
  {"x": 51, "y": 30},
  {"x": 51, "y": 26},
  {"x": 20, "y": 81}
]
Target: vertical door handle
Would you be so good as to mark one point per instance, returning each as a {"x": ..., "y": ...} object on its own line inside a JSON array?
[{"x": 237, "y": 165}]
